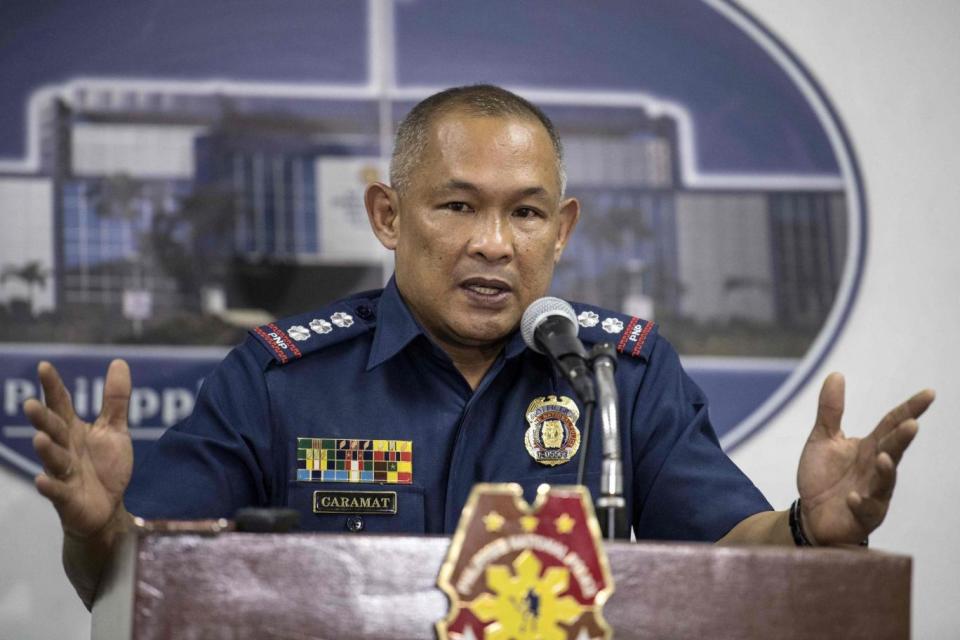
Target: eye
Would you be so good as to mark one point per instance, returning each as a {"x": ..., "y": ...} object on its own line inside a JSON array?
[
  {"x": 527, "y": 212},
  {"x": 460, "y": 207}
]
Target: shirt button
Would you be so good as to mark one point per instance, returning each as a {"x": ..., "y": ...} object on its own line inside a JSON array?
[
  {"x": 364, "y": 312},
  {"x": 354, "y": 524}
]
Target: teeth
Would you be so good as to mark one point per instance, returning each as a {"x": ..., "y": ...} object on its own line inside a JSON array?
[{"x": 487, "y": 291}]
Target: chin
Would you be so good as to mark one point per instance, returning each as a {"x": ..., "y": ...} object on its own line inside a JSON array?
[{"x": 483, "y": 333}]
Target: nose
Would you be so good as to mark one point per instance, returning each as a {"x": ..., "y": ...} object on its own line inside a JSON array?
[{"x": 492, "y": 238}]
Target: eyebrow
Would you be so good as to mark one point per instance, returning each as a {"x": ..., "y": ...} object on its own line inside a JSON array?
[{"x": 463, "y": 185}]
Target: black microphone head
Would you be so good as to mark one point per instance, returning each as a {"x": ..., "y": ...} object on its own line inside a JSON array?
[{"x": 538, "y": 311}]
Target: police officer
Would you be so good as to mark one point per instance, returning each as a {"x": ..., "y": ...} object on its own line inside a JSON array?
[{"x": 380, "y": 411}]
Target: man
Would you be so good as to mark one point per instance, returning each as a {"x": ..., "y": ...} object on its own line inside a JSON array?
[{"x": 426, "y": 387}]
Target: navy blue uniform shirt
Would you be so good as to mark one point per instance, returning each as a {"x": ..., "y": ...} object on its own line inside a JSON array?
[{"x": 363, "y": 369}]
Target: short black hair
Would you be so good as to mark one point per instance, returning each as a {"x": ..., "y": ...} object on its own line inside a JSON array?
[{"x": 476, "y": 100}]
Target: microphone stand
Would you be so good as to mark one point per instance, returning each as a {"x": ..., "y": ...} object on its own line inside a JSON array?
[
  {"x": 598, "y": 389},
  {"x": 611, "y": 505}
]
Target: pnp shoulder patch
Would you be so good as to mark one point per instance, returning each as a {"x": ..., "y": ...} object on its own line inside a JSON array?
[
  {"x": 629, "y": 334},
  {"x": 294, "y": 337}
]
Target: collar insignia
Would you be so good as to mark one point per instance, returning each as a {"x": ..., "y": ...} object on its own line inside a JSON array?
[
  {"x": 588, "y": 319},
  {"x": 553, "y": 437},
  {"x": 320, "y": 326},
  {"x": 342, "y": 319},
  {"x": 612, "y": 325},
  {"x": 298, "y": 333}
]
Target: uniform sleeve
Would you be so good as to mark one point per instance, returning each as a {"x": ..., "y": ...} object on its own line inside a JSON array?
[
  {"x": 686, "y": 486},
  {"x": 218, "y": 459}
]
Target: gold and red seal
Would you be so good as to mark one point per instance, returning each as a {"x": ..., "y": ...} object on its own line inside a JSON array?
[{"x": 519, "y": 571}]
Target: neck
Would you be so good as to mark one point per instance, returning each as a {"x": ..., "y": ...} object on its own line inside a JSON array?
[{"x": 472, "y": 362}]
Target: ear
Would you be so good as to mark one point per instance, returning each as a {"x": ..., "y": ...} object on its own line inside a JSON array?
[
  {"x": 569, "y": 215},
  {"x": 383, "y": 207}
]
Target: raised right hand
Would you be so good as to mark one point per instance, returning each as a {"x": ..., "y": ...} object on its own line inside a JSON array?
[{"x": 86, "y": 466}]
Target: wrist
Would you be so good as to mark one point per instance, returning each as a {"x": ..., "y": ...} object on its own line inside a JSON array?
[
  {"x": 118, "y": 524},
  {"x": 86, "y": 556},
  {"x": 798, "y": 528}
]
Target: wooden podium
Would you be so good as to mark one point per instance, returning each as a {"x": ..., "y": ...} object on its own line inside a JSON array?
[{"x": 200, "y": 584}]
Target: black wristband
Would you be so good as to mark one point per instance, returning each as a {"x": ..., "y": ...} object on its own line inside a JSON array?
[
  {"x": 796, "y": 528},
  {"x": 796, "y": 525}
]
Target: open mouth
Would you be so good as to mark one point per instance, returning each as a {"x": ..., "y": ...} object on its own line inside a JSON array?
[{"x": 486, "y": 289}]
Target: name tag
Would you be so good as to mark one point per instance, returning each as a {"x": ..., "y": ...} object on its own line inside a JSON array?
[{"x": 383, "y": 502}]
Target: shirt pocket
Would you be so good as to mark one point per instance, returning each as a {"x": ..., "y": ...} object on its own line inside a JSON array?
[{"x": 409, "y": 516}]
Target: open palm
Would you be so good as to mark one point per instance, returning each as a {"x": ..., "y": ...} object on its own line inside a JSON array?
[
  {"x": 845, "y": 484},
  {"x": 86, "y": 466}
]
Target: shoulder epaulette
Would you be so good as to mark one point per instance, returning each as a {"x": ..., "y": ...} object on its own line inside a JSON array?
[
  {"x": 629, "y": 334},
  {"x": 296, "y": 336}
]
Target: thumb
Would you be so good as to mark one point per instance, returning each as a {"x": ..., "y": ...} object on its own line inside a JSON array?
[
  {"x": 830, "y": 406},
  {"x": 116, "y": 395}
]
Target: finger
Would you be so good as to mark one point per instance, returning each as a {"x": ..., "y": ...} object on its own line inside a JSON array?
[
  {"x": 912, "y": 408},
  {"x": 56, "y": 460},
  {"x": 885, "y": 478},
  {"x": 45, "y": 420},
  {"x": 868, "y": 511},
  {"x": 55, "y": 394},
  {"x": 52, "y": 489},
  {"x": 830, "y": 405},
  {"x": 116, "y": 395},
  {"x": 897, "y": 440}
]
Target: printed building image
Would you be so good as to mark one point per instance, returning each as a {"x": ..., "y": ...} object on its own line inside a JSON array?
[
  {"x": 27, "y": 251},
  {"x": 699, "y": 258},
  {"x": 165, "y": 202}
]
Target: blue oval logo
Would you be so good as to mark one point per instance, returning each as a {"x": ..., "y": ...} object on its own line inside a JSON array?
[{"x": 175, "y": 193}]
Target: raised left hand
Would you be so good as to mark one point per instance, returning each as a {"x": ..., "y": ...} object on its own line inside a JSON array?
[{"x": 846, "y": 483}]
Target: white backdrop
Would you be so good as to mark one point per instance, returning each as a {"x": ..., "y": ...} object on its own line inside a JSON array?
[{"x": 891, "y": 69}]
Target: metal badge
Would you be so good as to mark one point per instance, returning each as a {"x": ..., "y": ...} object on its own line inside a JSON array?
[
  {"x": 366, "y": 502},
  {"x": 553, "y": 437}
]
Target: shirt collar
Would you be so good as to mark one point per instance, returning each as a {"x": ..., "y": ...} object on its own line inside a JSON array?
[
  {"x": 515, "y": 346},
  {"x": 396, "y": 328}
]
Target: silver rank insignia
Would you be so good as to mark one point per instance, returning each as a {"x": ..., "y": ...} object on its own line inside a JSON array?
[{"x": 553, "y": 437}]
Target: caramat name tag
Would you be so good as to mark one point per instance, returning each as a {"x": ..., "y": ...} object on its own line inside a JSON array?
[
  {"x": 519, "y": 571},
  {"x": 370, "y": 502}
]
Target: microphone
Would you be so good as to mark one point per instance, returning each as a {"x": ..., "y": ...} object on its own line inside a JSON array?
[{"x": 549, "y": 326}]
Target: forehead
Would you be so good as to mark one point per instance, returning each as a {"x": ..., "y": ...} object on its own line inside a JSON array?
[{"x": 499, "y": 150}]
